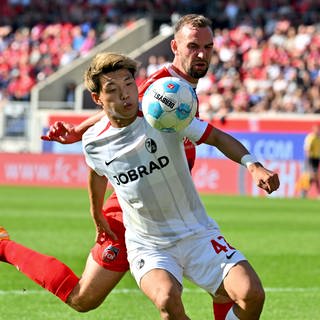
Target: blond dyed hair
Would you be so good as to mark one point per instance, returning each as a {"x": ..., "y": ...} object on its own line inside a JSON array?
[{"x": 104, "y": 63}]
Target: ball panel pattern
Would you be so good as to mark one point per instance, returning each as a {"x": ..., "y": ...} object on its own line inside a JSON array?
[{"x": 169, "y": 104}]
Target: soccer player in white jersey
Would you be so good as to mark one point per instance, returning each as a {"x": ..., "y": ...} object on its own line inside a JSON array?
[
  {"x": 107, "y": 261},
  {"x": 192, "y": 47},
  {"x": 168, "y": 233}
]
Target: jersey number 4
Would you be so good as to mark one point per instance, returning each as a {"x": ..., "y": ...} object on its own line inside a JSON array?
[{"x": 221, "y": 245}]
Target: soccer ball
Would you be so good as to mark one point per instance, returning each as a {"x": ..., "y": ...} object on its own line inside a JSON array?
[{"x": 169, "y": 104}]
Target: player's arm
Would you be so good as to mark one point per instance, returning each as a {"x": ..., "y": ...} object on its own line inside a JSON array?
[
  {"x": 97, "y": 186},
  {"x": 236, "y": 151},
  {"x": 67, "y": 133}
]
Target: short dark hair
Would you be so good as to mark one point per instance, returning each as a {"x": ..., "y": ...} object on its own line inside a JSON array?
[{"x": 195, "y": 20}]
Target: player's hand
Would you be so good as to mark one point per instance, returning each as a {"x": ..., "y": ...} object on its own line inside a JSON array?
[
  {"x": 62, "y": 132},
  {"x": 264, "y": 178},
  {"x": 103, "y": 232}
]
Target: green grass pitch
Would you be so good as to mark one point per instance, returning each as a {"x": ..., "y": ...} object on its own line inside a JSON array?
[{"x": 280, "y": 237}]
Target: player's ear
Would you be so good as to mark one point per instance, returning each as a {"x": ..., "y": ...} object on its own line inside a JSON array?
[
  {"x": 96, "y": 98},
  {"x": 173, "y": 45}
]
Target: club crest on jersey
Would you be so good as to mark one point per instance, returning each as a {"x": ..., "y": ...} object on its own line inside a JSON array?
[
  {"x": 151, "y": 145},
  {"x": 140, "y": 263},
  {"x": 110, "y": 253}
]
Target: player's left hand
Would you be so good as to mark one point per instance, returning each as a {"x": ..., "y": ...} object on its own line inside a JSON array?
[
  {"x": 103, "y": 232},
  {"x": 264, "y": 178}
]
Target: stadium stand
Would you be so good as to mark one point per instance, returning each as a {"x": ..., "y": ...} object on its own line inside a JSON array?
[
  {"x": 257, "y": 43},
  {"x": 266, "y": 53}
]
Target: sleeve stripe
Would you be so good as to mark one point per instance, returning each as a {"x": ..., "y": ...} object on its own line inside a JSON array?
[
  {"x": 105, "y": 129},
  {"x": 205, "y": 134}
]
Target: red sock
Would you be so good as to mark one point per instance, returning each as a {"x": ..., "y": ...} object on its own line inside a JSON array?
[
  {"x": 220, "y": 310},
  {"x": 46, "y": 271}
]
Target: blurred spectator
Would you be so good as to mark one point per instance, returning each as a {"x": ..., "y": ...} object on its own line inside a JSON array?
[
  {"x": 152, "y": 65},
  {"x": 205, "y": 84},
  {"x": 88, "y": 43},
  {"x": 20, "y": 87},
  {"x": 77, "y": 38},
  {"x": 141, "y": 75},
  {"x": 267, "y": 55},
  {"x": 162, "y": 61},
  {"x": 68, "y": 54},
  {"x": 109, "y": 27},
  {"x": 69, "y": 94}
]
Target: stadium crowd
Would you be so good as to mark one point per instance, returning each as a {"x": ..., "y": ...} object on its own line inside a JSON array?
[
  {"x": 266, "y": 53},
  {"x": 256, "y": 71}
]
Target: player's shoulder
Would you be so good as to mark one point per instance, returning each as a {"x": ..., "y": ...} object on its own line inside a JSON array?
[
  {"x": 95, "y": 131},
  {"x": 161, "y": 73},
  {"x": 198, "y": 123},
  {"x": 197, "y": 131}
]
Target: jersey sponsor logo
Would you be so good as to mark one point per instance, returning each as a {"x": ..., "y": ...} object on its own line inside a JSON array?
[
  {"x": 141, "y": 171},
  {"x": 151, "y": 145},
  {"x": 110, "y": 253}
]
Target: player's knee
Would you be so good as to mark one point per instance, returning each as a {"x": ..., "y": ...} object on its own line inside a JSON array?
[
  {"x": 83, "y": 303},
  {"x": 257, "y": 295},
  {"x": 83, "y": 307},
  {"x": 254, "y": 296},
  {"x": 170, "y": 305}
]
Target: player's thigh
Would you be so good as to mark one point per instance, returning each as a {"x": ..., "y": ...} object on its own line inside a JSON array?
[
  {"x": 159, "y": 285},
  {"x": 208, "y": 259},
  {"x": 241, "y": 282},
  {"x": 97, "y": 281},
  {"x": 158, "y": 272}
]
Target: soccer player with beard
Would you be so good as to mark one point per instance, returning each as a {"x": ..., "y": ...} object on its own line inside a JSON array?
[
  {"x": 107, "y": 263},
  {"x": 168, "y": 233},
  {"x": 192, "y": 47}
]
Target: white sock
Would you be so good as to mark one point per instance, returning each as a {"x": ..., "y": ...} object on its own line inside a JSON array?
[{"x": 231, "y": 316}]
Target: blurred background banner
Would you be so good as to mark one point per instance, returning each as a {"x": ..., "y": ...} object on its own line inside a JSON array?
[
  {"x": 43, "y": 170},
  {"x": 277, "y": 141},
  {"x": 217, "y": 176},
  {"x": 262, "y": 85},
  {"x": 223, "y": 177}
]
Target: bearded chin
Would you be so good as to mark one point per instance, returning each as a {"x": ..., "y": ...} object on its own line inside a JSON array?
[{"x": 197, "y": 74}]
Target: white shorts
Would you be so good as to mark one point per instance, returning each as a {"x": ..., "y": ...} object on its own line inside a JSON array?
[{"x": 204, "y": 258}]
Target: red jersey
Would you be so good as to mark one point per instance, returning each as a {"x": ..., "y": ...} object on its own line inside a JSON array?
[{"x": 189, "y": 147}]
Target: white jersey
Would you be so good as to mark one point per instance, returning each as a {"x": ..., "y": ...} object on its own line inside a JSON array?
[{"x": 150, "y": 174}]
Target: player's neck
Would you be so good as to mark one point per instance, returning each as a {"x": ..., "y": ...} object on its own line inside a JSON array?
[
  {"x": 121, "y": 122},
  {"x": 183, "y": 75}
]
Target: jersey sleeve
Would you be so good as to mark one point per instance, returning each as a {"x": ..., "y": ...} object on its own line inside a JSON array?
[
  {"x": 89, "y": 158},
  {"x": 197, "y": 131},
  {"x": 88, "y": 144}
]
